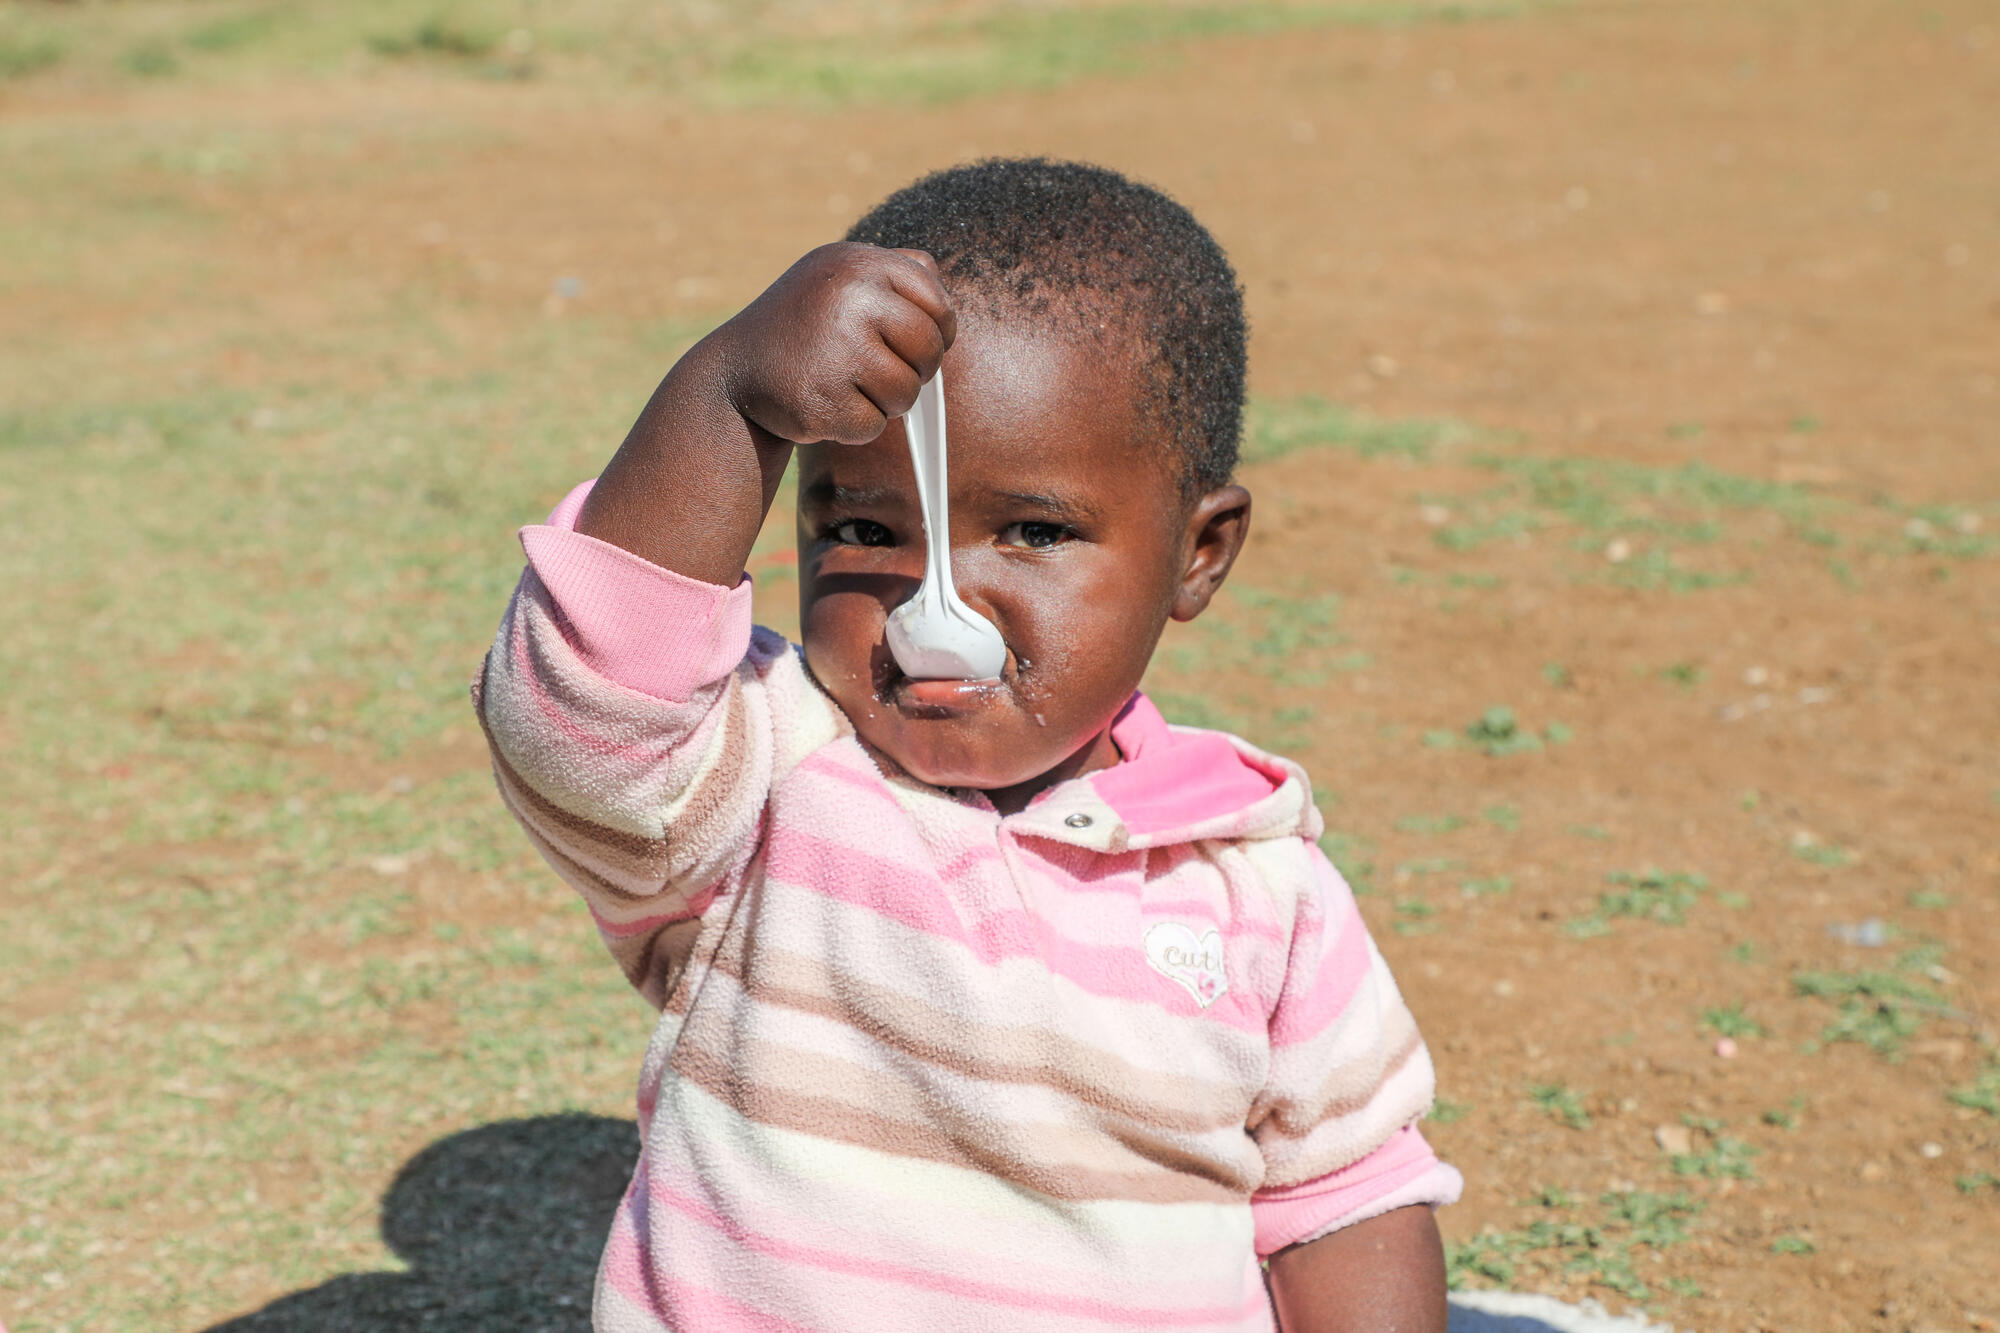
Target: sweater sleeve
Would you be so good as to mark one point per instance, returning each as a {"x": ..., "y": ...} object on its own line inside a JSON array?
[
  {"x": 1349, "y": 1078},
  {"x": 631, "y": 729}
]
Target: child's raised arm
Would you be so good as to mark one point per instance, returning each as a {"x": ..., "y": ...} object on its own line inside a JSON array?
[
  {"x": 831, "y": 351},
  {"x": 635, "y": 718}
]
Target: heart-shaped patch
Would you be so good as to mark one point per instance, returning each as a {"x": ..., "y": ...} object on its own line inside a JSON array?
[{"x": 1195, "y": 961}]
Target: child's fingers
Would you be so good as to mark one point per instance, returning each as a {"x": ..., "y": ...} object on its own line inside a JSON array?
[
  {"x": 918, "y": 282},
  {"x": 909, "y": 331},
  {"x": 890, "y": 382},
  {"x": 855, "y": 419}
]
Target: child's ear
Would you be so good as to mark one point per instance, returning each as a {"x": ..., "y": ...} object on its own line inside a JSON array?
[{"x": 1216, "y": 528}]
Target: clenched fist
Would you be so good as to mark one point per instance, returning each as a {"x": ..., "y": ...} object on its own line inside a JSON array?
[{"x": 838, "y": 345}]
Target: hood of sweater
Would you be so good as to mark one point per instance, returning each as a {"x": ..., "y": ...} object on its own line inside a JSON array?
[{"x": 1174, "y": 785}]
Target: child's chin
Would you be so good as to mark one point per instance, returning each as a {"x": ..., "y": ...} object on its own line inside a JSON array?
[
  {"x": 958, "y": 770},
  {"x": 940, "y": 752}
]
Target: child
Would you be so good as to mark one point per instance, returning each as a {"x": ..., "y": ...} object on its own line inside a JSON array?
[{"x": 984, "y": 1006}]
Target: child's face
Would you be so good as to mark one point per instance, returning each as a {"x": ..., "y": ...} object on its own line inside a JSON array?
[{"x": 1068, "y": 531}]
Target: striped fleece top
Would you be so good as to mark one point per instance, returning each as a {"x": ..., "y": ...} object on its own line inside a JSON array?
[{"x": 921, "y": 1066}]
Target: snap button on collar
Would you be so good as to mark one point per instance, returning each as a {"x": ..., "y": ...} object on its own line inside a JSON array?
[{"x": 1079, "y": 821}]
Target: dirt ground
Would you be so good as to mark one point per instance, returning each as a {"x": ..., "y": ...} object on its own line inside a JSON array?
[{"x": 1762, "y": 238}]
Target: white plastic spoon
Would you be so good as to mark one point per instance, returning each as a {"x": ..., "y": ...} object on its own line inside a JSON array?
[{"x": 934, "y": 635}]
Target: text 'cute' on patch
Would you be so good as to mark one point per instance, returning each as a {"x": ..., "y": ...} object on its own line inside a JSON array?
[{"x": 1195, "y": 961}]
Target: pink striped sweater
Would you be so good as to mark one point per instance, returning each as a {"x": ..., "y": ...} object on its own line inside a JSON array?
[{"x": 920, "y": 1066}]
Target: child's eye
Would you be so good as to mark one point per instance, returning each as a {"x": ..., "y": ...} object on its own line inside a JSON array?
[
  {"x": 1034, "y": 536},
  {"x": 860, "y": 532}
]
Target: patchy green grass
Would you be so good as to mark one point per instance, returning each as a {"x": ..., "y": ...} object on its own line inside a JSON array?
[
  {"x": 1015, "y": 47},
  {"x": 435, "y": 36},
  {"x": 1687, "y": 675},
  {"x": 1640, "y": 526},
  {"x": 1717, "y": 1156},
  {"x": 20, "y": 57},
  {"x": 726, "y": 55},
  {"x": 1497, "y": 733},
  {"x": 1947, "y": 530},
  {"x": 1502, "y": 527},
  {"x": 1785, "y": 1117},
  {"x": 1562, "y": 1103},
  {"x": 1684, "y": 503},
  {"x": 1602, "y": 1247},
  {"x": 1219, "y": 671},
  {"x": 1647, "y": 895},
  {"x": 1983, "y": 1093},
  {"x": 1826, "y": 854},
  {"x": 1880, "y": 1009},
  {"x": 1731, "y": 1021},
  {"x": 150, "y": 59},
  {"x": 1431, "y": 825},
  {"x": 233, "y": 31},
  {"x": 1349, "y": 854},
  {"x": 1414, "y": 916},
  {"x": 1276, "y": 428},
  {"x": 1635, "y": 525},
  {"x": 1445, "y": 1111}
]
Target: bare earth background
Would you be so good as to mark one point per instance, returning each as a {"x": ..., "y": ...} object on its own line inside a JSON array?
[{"x": 1627, "y": 573}]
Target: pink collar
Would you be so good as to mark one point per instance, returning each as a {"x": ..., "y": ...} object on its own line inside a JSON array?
[{"x": 1170, "y": 779}]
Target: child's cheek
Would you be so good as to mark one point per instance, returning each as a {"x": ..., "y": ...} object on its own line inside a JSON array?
[{"x": 841, "y": 635}]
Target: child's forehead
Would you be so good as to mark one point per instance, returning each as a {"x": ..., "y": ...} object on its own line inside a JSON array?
[{"x": 1004, "y": 375}]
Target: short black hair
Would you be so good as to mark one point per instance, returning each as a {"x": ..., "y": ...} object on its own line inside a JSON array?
[{"x": 1070, "y": 239}]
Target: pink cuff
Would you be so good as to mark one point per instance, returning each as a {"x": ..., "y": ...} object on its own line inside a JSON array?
[
  {"x": 649, "y": 629},
  {"x": 1402, "y": 1172}
]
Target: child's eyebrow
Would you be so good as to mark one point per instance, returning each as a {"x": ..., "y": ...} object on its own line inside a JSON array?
[
  {"x": 1054, "y": 505},
  {"x": 827, "y": 494}
]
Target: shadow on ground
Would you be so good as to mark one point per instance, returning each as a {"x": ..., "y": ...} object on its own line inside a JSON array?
[{"x": 501, "y": 1227}]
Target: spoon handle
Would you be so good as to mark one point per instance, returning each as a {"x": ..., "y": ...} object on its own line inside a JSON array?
[{"x": 925, "y": 428}]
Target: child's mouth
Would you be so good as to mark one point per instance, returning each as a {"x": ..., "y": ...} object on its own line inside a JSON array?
[
  {"x": 949, "y": 693},
  {"x": 941, "y": 699}
]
